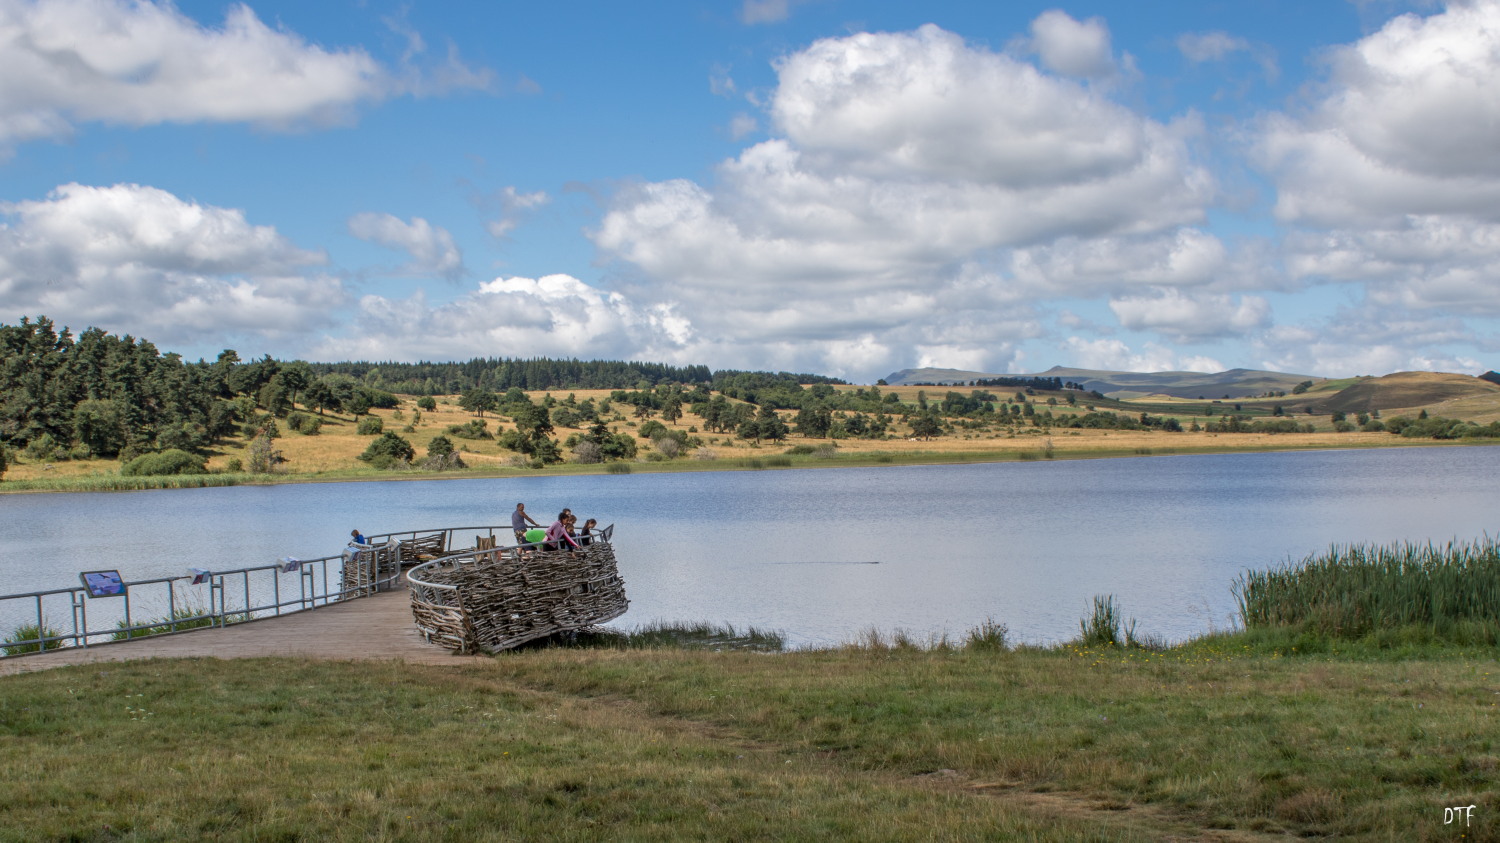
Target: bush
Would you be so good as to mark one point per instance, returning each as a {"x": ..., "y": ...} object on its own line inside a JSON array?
[
  {"x": 33, "y": 634},
  {"x": 370, "y": 426},
  {"x": 989, "y": 636},
  {"x": 388, "y": 451},
  {"x": 450, "y": 461},
  {"x": 472, "y": 429},
  {"x": 305, "y": 423},
  {"x": 440, "y": 446},
  {"x": 262, "y": 454},
  {"x": 171, "y": 461},
  {"x": 43, "y": 447},
  {"x": 1102, "y": 628},
  {"x": 587, "y": 453},
  {"x": 427, "y": 402}
]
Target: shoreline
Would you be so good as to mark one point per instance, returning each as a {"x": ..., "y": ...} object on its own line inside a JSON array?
[{"x": 754, "y": 461}]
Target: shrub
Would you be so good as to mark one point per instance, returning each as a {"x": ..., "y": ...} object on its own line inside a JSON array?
[
  {"x": 370, "y": 426},
  {"x": 305, "y": 423},
  {"x": 180, "y": 620},
  {"x": 427, "y": 402},
  {"x": 234, "y": 466},
  {"x": 43, "y": 447},
  {"x": 450, "y": 461},
  {"x": 440, "y": 446},
  {"x": 705, "y": 453},
  {"x": 587, "y": 453},
  {"x": 987, "y": 636},
  {"x": 388, "y": 451},
  {"x": 1102, "y": 628},
  {"x": 31, "y": 634},
  {"x": 171, "y": 461},
  {"x": 262, "y": 455},
  {"x": 473, "y": 429}
]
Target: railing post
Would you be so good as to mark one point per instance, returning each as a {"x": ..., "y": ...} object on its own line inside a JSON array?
[{"x": 80, "y": 616}]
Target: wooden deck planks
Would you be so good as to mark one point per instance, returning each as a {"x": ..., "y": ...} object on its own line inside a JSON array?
[{"x": 377, "y": 628}]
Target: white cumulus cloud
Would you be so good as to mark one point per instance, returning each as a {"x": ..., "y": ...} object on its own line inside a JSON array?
[
  {"x": 431, "y": 248},
  {"x": 132, "y": 257},
  {"x": 1192, "y": 318},
  {"x": 1391, "y": 176},
  {"x": 142, "y": 63},
  {"x": 907, "y": 176},
  {"x": 1073, "y": 47}
]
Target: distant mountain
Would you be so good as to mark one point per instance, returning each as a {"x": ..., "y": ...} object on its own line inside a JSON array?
[{"x": 1235, "y": 383}]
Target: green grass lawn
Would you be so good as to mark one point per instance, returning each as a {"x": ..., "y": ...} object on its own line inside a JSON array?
[{"x": 1229, "y": 737}]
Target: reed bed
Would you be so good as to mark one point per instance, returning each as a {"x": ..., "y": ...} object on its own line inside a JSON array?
[
  {"x": 118, "y": 483},
  {"x": 1451, "y": 591}
]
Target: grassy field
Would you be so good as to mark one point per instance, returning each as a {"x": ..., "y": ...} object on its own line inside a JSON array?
[
  {"x": 331, "y": 455},
  {"x": 1226, "y": 738}
]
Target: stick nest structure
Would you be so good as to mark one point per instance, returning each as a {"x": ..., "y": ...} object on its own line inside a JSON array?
[{"x": 492, "y": 599}]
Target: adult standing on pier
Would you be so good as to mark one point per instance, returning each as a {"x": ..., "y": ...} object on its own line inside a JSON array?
[{"x": 518, "y": 522}]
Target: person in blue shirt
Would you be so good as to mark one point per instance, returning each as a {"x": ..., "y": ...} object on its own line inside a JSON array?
[
  {"x": 356, "y": 538},
  {"x": 518, "y": 521}
]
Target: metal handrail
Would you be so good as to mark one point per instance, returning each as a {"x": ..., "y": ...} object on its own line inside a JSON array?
[
  {"x": 313, "y": 591},
  {"x": 415, "y": 576}
]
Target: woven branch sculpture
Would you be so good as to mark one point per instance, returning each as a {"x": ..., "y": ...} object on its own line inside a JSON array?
[{"x": 492, "y": 600}]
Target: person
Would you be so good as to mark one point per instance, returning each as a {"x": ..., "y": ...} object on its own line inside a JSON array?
[
  {"x": 518, "y": 521},
  {"x": 557, "y": 534},
  {"x": 356, "y": 538},
  {"x": 571, "y": 525},
  {"x": 586, "y": 535}
]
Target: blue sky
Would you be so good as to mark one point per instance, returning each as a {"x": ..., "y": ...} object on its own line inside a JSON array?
[{"x": 816, "y": 185}]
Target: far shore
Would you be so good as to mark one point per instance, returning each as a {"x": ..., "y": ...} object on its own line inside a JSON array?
[{"x": 1065, "y": 445}]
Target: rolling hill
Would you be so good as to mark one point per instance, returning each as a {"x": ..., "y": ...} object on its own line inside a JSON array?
[
  {"x": 1406, "y": 389},
  {"x": 1235, "y": 383}
]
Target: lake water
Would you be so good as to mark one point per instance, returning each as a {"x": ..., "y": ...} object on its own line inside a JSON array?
[{"x": 825, "y": 555}]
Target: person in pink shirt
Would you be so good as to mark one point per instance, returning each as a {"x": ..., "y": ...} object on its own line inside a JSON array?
[{"x": 557, "y": 534}]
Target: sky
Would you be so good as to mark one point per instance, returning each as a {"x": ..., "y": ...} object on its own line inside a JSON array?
[{"x": 828, "y": 186}]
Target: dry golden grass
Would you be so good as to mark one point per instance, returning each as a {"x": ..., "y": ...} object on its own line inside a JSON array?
[{"x": 335, "y": 449}]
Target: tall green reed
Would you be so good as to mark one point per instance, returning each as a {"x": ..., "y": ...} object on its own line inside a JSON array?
[{"x": 1350, "y": 591}]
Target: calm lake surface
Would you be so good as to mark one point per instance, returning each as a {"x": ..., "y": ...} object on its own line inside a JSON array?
[{"x": 824, "y": 555}]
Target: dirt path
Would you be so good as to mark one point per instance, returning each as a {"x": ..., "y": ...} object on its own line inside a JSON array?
[{"x": 371, "y": 628}]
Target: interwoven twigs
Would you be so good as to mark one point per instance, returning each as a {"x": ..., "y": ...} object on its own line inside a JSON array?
[
  {"x": 504, "y": 598},
  {"x": 364, "y": 568}
]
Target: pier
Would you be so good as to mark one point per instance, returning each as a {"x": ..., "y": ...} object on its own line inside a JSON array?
[{"x": 409, "y": 598}]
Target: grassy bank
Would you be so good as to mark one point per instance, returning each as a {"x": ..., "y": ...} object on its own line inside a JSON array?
[
  {"x": 743, "y": 459},
  {"x": 1224, "y": 738}
]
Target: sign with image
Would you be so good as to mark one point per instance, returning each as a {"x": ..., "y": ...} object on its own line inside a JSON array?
[{"x": 103, "y": 583}]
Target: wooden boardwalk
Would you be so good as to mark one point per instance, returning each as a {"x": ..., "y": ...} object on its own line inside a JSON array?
[{"x": 378, "y": 628}]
